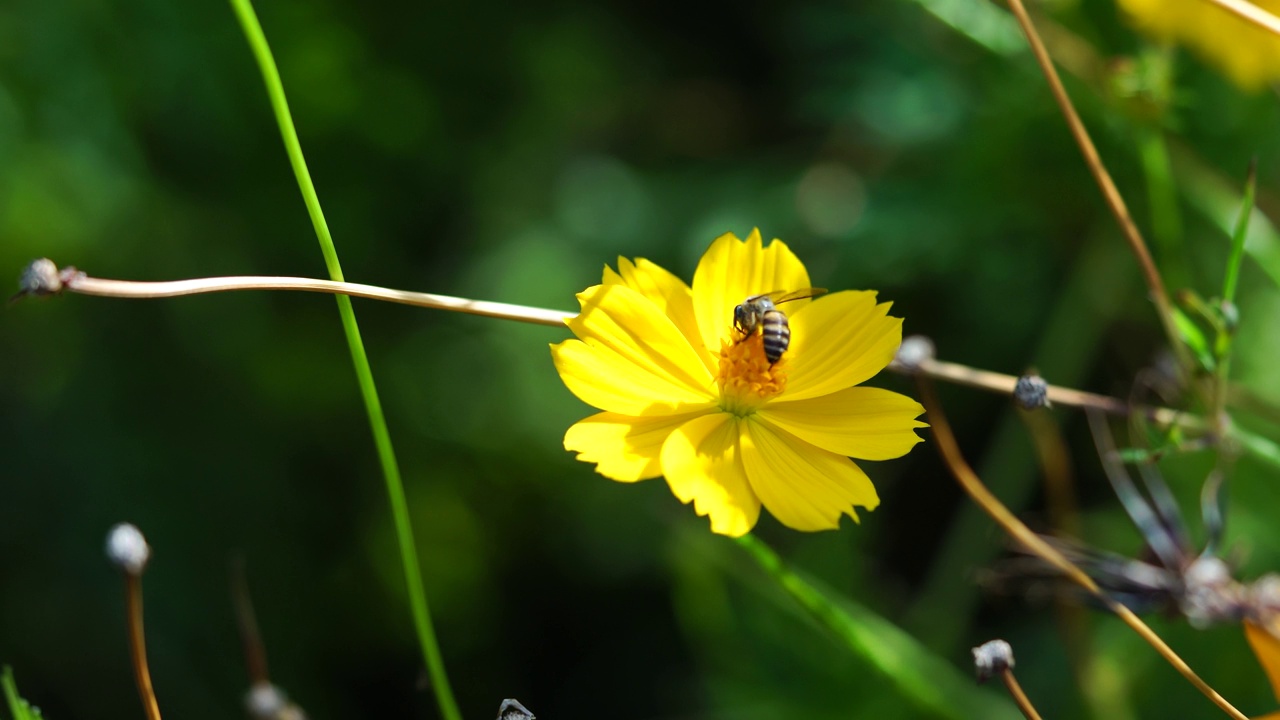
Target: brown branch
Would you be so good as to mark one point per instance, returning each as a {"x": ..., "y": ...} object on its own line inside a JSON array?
[
  {"x": 972, "y": 484},
  {"x": 138, "y": 645},
  {"x": 1004, "y": 384},
  {"x": 85, "y": 285},
  {"x": 1019, "y": 698},
  {"x": 44, "y": 278}
]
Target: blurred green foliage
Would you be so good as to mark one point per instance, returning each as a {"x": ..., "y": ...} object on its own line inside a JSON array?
[{"x": 507, "y": 152}]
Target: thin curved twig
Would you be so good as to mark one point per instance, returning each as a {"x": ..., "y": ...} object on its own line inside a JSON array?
[
  {"x": 1251, "y": 13},
  {"x": 969, "y": 481},
  {"x": 1155, "y": 284},
  {"x": 50, "y": 280}
]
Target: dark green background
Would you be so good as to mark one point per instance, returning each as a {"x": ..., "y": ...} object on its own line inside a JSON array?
[{"x": 508, "y": 151}]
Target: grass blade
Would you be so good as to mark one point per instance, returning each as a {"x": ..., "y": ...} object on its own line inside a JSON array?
[
  {"x": 1238, "y": 234},
  {"x": 934, "y": 684},
  {"x": 20, "y": 709},
  {"x": 364, "y": 374}
]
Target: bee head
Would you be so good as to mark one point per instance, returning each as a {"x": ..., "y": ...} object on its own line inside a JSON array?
[{"x": 742, "y": 318}]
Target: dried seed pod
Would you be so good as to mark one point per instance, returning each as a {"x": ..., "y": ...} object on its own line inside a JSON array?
[
  {"x": 992, "y": 658},
  {"x": 511, "y": 709},
  {"x": 1031, "y": 392},
  {"x": 128, "y": 549}
]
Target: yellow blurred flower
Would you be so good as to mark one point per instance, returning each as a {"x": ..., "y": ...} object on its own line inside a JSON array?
[
  {"x": 1247, "y": 53},
  {"x": 685, "y": 396},
  {"x": 1265, "y": 642}
]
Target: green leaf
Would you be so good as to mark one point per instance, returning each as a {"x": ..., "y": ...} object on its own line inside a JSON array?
[
  {"x": 926, "y": 679},
  {"x": 19, "y": 708},
  {"x": 1136, "y": 455},
  {"x": 1256, "y": 445},
  {"x": 1193, "y": 337},
  {"x": 1238, "y": 234},
  {"x": 1219, "y": 201},
  {"x": 983, "y": 23}
]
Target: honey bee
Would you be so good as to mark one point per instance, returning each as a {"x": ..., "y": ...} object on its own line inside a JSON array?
[{"x": 761, "y": 311}]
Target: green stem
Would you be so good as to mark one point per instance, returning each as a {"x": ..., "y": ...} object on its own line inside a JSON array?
[
  {"x": 364, "y": 374},
  {"x": 1228, "y": 312},
  {"x": 918, "y": 673},
  {"x": 1162, "y": 195},
  {"x": 1238, "y": 235}
]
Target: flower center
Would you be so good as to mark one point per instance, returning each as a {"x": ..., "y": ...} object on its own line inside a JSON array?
[{"x": 746, "y": 378}]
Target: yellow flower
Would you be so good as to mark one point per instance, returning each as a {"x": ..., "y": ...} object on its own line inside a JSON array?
[
  {"x": 1246, "y": 52},
  {"x": 685, "y": 396}
]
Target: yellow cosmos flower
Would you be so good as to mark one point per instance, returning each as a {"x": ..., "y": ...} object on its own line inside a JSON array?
[
  {"x": 685, "y": 396},
  {"x": 1248, "y": 54}
]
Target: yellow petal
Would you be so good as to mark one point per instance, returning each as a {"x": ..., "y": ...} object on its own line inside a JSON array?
[
  {"x": 804, "y": 486},
  {"x": 1267, "y": 647},
  {"x": 861, "y": 422},
  {"x": 731, "y": 271},
  {"x": 630, "y": 360},
  {"x": 623, "y": 448},
  {"x": 840, "y": 340},
  {"x": 669, "y": 293},
  {"x": 702, "y": 464}
]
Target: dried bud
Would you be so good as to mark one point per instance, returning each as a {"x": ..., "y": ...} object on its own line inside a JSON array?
[
  {"x": 128, "y": 549},
  {"x": 915, "y": 349},
  {"x": 511, "y": 709},
  {"x": 1230, "y": 316},
  {"x": 39, "y": 278},
  {"x": 1031, "y": 392},
  {"x": 1210, "y": 594},
  {"x": 992, "y": 658},
  {"x": 42, "y": 277},
  {"x": 1265, "y": 595},
  {"x": 265, "y": 701}
]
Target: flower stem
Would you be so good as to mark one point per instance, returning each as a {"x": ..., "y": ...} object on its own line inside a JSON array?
[
  {"x": 364, "y": 374},
  {"x": 101, "y": 287},
  {"x": 77, "y": 282},
  {"x": 1019, "y": 697},
  {"x": 1004, "y": 384},
  {"x": 138, "y": 645},
  {"x": 920, "y": 674},
  {"x": 972, "y": 484}
]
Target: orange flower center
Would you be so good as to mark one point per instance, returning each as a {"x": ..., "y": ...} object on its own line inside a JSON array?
[{"x": 746, "y": 378}]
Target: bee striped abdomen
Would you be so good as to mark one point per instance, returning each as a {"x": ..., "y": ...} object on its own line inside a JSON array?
[
  {"x": 776, "y": 334},
  {"x": 761, "y": 312}
]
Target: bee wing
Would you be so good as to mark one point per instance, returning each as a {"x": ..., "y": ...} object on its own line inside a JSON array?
[{"x": 781, "y": 296}]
